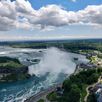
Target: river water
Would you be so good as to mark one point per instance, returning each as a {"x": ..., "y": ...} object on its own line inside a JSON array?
[{"x": 47, "y": 67}]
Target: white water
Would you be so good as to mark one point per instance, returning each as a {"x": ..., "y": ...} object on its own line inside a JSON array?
[
  {"x": 54, "y": 61},
  {"x": 53, "y": 66}
]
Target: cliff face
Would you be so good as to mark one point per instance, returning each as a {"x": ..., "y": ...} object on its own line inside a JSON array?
[
  {"x": 11, "y": 75},
  {"x": 13, "y": 70}
]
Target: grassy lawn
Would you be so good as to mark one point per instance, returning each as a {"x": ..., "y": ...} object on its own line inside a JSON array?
[
  {"x": 6, "y": 62},
  {"x": 11, "y": 64}
]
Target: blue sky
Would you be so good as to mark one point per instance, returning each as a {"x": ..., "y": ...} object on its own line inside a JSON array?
[
  {"x": 68, "y": 4},
  {"x": 89, "y": 27}
]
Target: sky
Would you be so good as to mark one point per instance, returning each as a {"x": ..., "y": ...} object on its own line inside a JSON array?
[{"x": 50, "y": 19}]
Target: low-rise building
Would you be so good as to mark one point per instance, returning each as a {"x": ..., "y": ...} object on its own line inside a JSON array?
[
  {"x": 87, "y": 66},
  {"x": 97, "y": 90}
]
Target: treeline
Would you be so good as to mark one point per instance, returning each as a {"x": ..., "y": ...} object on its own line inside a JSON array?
[
  {"x": 7, "y": 59},
  {"x": 94, "y": 44},
  {"x": 75, "y": 86},
  {"x": 66, "y": 45}
]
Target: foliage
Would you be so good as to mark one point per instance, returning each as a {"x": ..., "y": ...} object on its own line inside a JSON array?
[
  {"x": 72, "y": 45},
  {"x": 74, "y": 87},
  {"x": 92, "y": 98},
  {"x": 14, "y": 77},
  {"x": 12, "y": 70},
  {"x": 7, "y": 62},
  {"x": 41, "y": 100},
  {"x": 52, "y": 96}
]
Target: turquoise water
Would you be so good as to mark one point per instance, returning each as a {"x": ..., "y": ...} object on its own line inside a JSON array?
[
  {"x": 21, "y": 90},
  {"x": 54, "y": 66},
  {"x": 15, "y": 91}
]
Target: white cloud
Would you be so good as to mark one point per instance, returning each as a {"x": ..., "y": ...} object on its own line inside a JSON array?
[
  {"x": 20, "y": 14},
  {"x": 10, "y": 13},
  {"x": 24, "y": 7}
]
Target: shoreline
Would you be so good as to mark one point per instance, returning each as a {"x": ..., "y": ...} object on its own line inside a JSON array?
[{"x": 45, "y": 92}]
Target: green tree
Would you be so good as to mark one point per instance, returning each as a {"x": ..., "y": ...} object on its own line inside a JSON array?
[
  {"x": 91, "y": 98},
  {"x": 74, "y": 95},
  {"x": 67, "y": 85},
  {"x": 41, "y": 100},
  {"x": 52, "y": 96}
]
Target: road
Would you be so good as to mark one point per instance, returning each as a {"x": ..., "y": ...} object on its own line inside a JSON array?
[
  {"x": 93, "y": 85},
  {"x": 85, "y": 99}
]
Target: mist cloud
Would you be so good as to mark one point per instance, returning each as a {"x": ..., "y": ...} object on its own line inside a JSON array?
[{"x": 55, "y": 62}]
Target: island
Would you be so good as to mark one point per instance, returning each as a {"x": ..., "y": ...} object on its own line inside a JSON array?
[{"x": 12, "y": 70}]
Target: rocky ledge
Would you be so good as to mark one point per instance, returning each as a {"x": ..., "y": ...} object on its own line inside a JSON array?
[{"x": 12, "y": 70}]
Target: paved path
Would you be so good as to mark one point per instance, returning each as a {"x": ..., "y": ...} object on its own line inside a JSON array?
[
  {"x": 85, "y": 99},
  {"x": 43, "y": 94},
  {"x": 93, "y": 85}
]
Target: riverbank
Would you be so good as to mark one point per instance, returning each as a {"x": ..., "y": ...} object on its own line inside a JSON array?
[
  {"x": 80, "y": 81},
  {"x": 20, "y": 90},
  {"x": 12, "y": 70},
  {"x": 44, "y": 93}
]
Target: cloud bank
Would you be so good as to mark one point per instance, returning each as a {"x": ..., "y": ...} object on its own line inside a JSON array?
[{"x": 20, "y": 14}]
